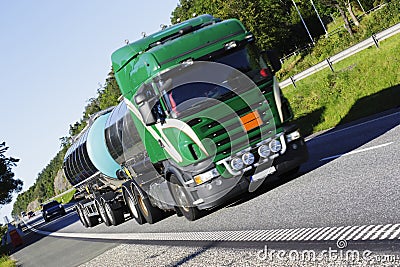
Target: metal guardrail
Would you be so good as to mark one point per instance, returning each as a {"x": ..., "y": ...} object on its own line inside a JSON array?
[{"x": 373, "y": 40}]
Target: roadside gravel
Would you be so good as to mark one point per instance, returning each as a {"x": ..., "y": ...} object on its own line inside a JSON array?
[{"x": 154, "y": 255}]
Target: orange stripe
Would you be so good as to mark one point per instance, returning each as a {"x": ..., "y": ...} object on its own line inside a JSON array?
[{"x": 251, "y": 120}]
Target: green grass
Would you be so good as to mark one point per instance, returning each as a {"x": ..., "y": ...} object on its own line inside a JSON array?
[
  {"x": 66, "y": 198},
  {"x": 363, "y": 84},
  {"x": 324, "y": 48},
  {"x": 6, "y": 261}
]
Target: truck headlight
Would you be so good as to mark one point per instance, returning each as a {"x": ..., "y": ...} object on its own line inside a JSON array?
[
  {"x": 237, "y": 164},
  {"x": 275, "y": 146},
  {"x": 292, "y": 136},
  {"x": 207, "y": 176}
]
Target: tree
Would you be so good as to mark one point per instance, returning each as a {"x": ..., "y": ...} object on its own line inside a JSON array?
[
  {"x": 8, "y": 184},
  {"x": 350, "y": 10},
  {"x": 341, "y": 5}
]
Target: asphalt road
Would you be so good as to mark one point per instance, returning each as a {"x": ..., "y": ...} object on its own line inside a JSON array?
[{"x": 350, "y": 180}]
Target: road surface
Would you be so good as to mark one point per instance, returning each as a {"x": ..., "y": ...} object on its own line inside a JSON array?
[{"x": 347, "y": 191}]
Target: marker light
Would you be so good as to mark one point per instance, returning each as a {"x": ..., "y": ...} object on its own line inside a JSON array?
[
  {"x": 205, "y": 177},
  {"x": 230, "y": 45},
  {"x": 292, "y": 136},
  {"x": 264, "y": 72}
]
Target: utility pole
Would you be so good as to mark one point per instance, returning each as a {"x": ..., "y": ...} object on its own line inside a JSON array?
[
  {"x": 320, "y": 20},
  {"x": 302, "y": 20},
  {"x": 362, "y": 8}
]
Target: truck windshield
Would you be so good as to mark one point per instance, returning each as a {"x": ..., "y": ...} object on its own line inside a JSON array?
[
  {"x": 192, "y": 86},
  {"x": 245, "y": 59}
]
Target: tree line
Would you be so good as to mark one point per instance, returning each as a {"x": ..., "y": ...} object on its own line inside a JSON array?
[
  {"x": 277, "y": 23},
  {"x": 43, "y": 188}
]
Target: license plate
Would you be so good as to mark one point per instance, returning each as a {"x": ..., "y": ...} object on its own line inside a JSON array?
[{"x": 263, "y": 174}]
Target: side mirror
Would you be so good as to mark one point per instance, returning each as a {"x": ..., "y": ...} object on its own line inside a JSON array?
[
  {"x": 273, "y": 59},
  {"x": 146, "y": 111},
  {"x": 140, "y": 98}
]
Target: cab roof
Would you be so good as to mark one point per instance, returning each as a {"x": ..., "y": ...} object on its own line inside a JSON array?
[{"x": 125, "y": 54}]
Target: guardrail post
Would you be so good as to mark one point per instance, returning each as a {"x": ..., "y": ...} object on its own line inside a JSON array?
[
  {"x": 375, "y": 40},
  {"x": 330, "y": 64},
  {"x": 294, "y": 84}
]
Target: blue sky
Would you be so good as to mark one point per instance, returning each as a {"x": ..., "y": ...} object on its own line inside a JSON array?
[{"x": 54, "y": 55}]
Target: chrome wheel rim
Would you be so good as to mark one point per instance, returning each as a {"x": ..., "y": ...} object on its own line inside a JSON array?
[
  {"x": 102, "y": 212},
  {"x": 132, "y": 206},
  {"x": 143, "y": 206},
  {"x": 181, "y": 198},
  {"x": 108, "y": 211}
]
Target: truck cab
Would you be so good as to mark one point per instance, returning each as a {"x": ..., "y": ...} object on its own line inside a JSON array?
[{"x": 210, "y": 114}]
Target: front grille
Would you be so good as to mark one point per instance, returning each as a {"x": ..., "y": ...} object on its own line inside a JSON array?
[{"x": 228, "y": 133}]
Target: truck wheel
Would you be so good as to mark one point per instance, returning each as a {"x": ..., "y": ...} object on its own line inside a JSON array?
[
  {"x": 183, "y": 200},
  {"x": 102, "y": 212},
  {"x": 133, "y": 207},
  {"x": 116, "y": 216},
  {"x": 150, "y": 213},
  {"x": 91, "y": 220},
  {"x": 80, "y": 216}
]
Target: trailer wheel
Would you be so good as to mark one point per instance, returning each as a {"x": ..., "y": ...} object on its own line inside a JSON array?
[
  {"x": 183, "y": 200},
  {"x": 102, "y": 212},
  {"x": 150, "y": 213},
  {"x": 133, "y": 207},
  {"x": 90, "y": 220},
  {"x": 116, "y": 216}
]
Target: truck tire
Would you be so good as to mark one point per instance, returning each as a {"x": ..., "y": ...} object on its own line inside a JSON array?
[
  {"x": 183, "y": 200},
  {"x": 133, "y": 206},
  {"x": 150, "y": 213},
  {"x": 80, "y": 216},
  {"x": 90, "y": 220},
  {"x": 115, "y": 216},
  {"x": 103, "y": 215}
]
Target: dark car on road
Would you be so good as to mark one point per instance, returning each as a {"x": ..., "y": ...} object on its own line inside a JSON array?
[
  {"x": 31, "y": 214},
  {"x": 52, "y": 209}
]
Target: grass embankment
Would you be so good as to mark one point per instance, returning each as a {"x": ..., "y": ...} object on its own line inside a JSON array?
[
  {"x": 339, "y": 39},
  {"x": 67, "y": 197},
  {"x": 6, "y": 261},
  {"x": 363, "y": 84}
]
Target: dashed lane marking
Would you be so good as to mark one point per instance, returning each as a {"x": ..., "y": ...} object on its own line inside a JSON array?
[{"x": 362, "y": 232}]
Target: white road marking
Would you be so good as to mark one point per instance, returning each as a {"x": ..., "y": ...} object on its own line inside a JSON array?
[
  {"x": 353, "y": 126},
  {"x": 381, "y": 231},
  {"x": 389, "y": 231},
  {"x": 365, "y": 232},
  {"x": 344, "y": 236},
  {"x": 356, "y": 151}
]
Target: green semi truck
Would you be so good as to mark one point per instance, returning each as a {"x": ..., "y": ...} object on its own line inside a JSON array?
[{"x": 202, "y": 120}]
